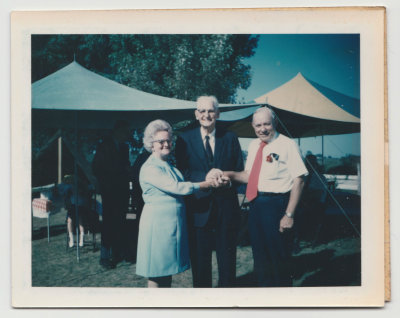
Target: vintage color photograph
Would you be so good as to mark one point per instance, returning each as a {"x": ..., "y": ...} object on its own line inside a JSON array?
[
  {"x": 212, "y": 169},
  {"x": 84, "y": 86}
]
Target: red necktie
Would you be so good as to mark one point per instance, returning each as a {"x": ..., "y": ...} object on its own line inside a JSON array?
[{"x": 252, "y": 185}]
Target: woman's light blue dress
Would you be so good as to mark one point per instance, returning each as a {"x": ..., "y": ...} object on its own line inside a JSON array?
[{"x": 163, "y": 239}]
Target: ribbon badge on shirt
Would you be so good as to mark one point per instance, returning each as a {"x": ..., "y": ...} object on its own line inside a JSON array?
[{"x": 271, "y": 157}]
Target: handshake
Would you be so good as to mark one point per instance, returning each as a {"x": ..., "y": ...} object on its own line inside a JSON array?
[{"x": 217, "y": 179}]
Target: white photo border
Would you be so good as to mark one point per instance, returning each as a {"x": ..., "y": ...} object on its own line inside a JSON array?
[{"x": 368, "y": 22}]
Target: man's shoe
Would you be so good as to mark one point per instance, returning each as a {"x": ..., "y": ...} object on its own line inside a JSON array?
[
  {"x": 130, "y": 260},
  {"x": 115, "y": 261},
  {"x": 106, "y": 263}
]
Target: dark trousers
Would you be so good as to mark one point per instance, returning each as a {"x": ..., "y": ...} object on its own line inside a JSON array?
[
  {"x": 113, "y": 226},
  {"x": 271, "y": 248},
  {"x": 202, "y": 242},
  {"x": 131, "y": 238}
]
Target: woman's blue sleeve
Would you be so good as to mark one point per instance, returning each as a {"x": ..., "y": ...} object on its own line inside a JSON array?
[{"x": 157, "y": 177}]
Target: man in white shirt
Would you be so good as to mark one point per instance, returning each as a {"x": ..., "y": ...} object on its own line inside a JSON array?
[{"x": 274, "y": 172}]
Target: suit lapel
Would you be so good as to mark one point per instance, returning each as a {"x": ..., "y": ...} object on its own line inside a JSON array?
[
  {"x": 219, "y": 147},
  {"x": 198, "y": 148}
]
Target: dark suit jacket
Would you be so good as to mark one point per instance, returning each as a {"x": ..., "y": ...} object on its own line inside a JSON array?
[
  {"x": 111, "y": 167},
  {"x": 192, "y": 162}
]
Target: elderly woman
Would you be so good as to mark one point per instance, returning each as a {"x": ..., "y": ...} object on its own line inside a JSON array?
[{"x": 163, "y": 242}]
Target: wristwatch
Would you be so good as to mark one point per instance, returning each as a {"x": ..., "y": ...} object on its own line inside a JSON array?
[{"x": 289, "y": 215}]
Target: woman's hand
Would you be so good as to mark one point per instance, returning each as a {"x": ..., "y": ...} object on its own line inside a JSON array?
[
  {"x": 215, "y": 183},
  {"x": 214, "y": 174},
  {"x": 217, "y": 178},
  {"x": 221, "y": 182}
]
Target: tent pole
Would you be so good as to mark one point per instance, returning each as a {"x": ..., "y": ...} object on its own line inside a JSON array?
[
  {"x": 358, "y": 179},
  {"x": 59, "y": 160},
  {"x": 76, "y": 188},
  {"x": 298, "y": 141},
  {"x": 322, "y": 150}
]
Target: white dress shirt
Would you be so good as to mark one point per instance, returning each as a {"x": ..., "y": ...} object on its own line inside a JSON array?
[{"x": 212, "y": 139}]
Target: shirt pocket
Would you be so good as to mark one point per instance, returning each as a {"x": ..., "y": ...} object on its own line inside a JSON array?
[{"x": 271, "y": 170}]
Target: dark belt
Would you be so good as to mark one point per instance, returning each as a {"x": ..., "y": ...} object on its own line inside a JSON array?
[{"x": 271, "y": 194}]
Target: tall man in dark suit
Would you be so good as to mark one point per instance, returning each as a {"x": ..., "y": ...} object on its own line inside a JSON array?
[
  {"x": 213, "y": 215},
  {"x": 111, "y": 168}
]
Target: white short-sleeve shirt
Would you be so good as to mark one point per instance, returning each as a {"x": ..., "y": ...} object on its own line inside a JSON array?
[{"x": 281, "y": 164}]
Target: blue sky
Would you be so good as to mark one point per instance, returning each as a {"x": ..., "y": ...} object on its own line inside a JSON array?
[{"x": 331, "y": 60}]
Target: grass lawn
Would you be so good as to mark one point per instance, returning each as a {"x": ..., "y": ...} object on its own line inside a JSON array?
[{"x": 332, "y": 261}]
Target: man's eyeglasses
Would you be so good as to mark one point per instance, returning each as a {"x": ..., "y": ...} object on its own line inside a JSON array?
[
  {"x": 203, "y": 111},
  {"x": 163, "y": 141}
]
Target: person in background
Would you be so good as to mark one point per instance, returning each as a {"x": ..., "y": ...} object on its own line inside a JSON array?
[
  {"x": 274, "y": 175},
  {"x": 111, "y": 167},
  {"x": 214, "y": 214},
  {"x": 81, "y": 202},
  {"x": 313, "y": 203},
  {"x": 163, "y": 242}
]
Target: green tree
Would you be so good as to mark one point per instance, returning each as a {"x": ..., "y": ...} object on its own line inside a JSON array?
[{"x": 179, "y": 66}]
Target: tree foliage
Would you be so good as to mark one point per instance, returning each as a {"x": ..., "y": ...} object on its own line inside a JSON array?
[{"x": 179, "y": 66}]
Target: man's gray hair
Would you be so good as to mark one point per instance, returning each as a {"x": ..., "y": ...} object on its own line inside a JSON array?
[
  {"x": 153, "y": 128},
  {"x": 266, "y": 110},
  {"x": 213, "y": 99}
]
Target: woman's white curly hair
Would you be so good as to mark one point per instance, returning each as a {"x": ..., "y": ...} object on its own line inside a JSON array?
[{"x": 151, "y": 129}]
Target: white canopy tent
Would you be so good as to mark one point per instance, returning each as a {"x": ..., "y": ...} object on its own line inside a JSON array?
[
  {"x": 300, "y": 96},
  {"x": 100, "y": 101},
  {"x": 304, "y": 110},
  {"x": 75, "y": 97}
]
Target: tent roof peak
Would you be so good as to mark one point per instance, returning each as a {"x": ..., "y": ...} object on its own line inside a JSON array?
[{"x": 302, "y": 96}]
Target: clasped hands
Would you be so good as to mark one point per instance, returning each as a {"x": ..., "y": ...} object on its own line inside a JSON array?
[{"x": 217, "y": 179}]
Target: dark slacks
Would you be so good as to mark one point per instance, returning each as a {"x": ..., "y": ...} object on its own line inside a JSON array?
[
  {"x": 113, "y": 225},
  {"x": 203, "y": 240},
  {"x": 271, "y": 248}
]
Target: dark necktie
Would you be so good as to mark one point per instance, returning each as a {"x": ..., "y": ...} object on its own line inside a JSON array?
[{"x": 209, "y": 152}]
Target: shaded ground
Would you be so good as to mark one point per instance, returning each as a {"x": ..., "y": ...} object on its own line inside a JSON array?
[{"x": 335, "y": 260}]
